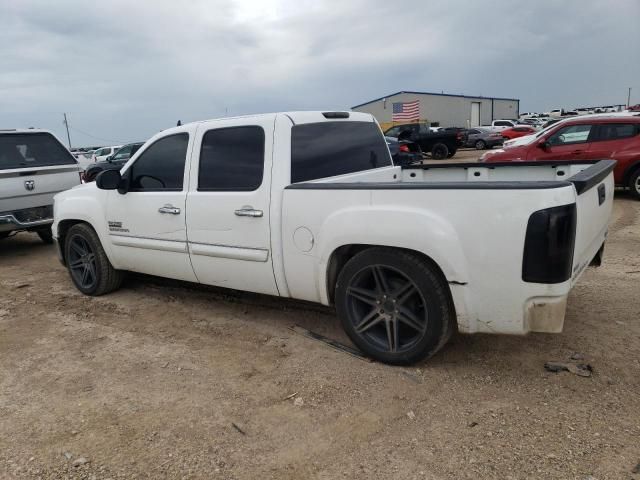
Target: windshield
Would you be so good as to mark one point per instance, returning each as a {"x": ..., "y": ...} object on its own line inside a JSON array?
[{"x": 19, "y": 150}]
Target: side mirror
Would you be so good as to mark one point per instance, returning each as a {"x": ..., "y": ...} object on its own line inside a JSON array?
[
  {"x": 544, "y": 145},
  {"x": 108, "y": 180},
  {"x": 109, "y": 158}
]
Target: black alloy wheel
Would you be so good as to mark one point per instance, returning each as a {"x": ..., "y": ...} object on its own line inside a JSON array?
[{"x": 82, "y": 262}]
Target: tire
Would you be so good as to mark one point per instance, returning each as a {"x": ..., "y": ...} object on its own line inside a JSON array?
[
  {"x": 634, "y": 184},
  {"x": 419, "y": 318},
  {"x": 4, "y": 235},
  {"x": 452, "y": 153},
  {"x": 46, "y": 236},
  {"x": 439, "y": 151},
  {"x": 480, "y": 145},
  {"x": 91, "y": 175},
  {"x": 92, "y": 274}
]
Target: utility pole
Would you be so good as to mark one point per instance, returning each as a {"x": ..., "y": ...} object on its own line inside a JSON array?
[
  {"x": 66, "y": 124},
  {"x": 629, "y": 98}
]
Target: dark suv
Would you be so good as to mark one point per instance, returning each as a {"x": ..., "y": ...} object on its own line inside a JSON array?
[{"x": 113, "y": 162}]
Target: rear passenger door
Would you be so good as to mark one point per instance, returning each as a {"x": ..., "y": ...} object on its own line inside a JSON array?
[
  {"x": 612, "y": 137},
  {"x": 228, "y": 226}
]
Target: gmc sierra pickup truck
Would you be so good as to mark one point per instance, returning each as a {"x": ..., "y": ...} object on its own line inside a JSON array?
[
  {"x": 34, "y": 166},
  {"x": 309, "y": 205}
]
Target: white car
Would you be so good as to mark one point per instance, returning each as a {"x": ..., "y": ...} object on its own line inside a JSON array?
[
  {"x": 499, "y": 125},
  {"x": 101, "y": 154},
  {"x": 309, "y": 205},
  {"x": 34, "y": 166}
]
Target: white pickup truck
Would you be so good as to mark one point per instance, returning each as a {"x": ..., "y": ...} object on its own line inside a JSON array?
[
  {"x": 34, "y": 166},
  {"x": 309, "y": 205},
  {"x": 499, "y": 125}
]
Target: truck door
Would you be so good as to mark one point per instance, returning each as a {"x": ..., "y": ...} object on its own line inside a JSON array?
[
  {"x": 566, "y": 143},
  {"x": 147, "y": 224},
  {"x": 228, "y": 201}
]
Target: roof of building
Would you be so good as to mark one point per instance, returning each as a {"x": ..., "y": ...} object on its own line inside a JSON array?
[{"x": 436, "y": 94}]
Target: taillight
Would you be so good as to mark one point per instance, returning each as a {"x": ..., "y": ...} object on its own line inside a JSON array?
[
  {"x": 548, "y": 245},
  {"x": 404, "y": 148}
]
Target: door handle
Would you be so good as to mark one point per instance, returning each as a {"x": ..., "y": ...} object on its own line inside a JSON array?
[
  {"x": 248, "y": 212},
  {"x": 169, "y": 209}
]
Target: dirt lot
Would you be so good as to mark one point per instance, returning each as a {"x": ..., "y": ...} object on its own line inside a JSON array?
[{"x": 149, "y": 382}]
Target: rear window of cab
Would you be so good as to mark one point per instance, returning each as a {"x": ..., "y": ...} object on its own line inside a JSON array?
[{"x": 327, "y": 149}]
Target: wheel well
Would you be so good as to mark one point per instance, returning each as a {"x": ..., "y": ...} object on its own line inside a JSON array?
[
  {"x": 63, "y": 228},
  {"x": 631, "y": 169},
  {"x": 343, "y": 254}
]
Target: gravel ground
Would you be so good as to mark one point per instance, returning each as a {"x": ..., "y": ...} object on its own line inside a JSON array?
[{"x": 163, "y": 380}]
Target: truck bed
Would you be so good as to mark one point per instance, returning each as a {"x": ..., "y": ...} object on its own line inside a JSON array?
[{"x": 470, "y": 219}]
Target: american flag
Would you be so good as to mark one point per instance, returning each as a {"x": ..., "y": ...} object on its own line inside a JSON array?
[{"x": 404, "y": 111}]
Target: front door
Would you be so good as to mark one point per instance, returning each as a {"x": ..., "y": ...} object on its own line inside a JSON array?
[
  {"x": 566, "y": 143},
  {"x": 228, "y": 224},
  {"x": 147, "y": 224}
]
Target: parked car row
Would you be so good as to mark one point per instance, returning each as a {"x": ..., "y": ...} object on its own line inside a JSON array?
[{"x": 583, "y": 138}]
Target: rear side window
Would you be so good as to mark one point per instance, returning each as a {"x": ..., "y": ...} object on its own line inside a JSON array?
[
  {"x": 503, "y": 124},
  {"x": 231, "y": 159},
  {"x": 161, "y": 166},
  {"x": 24, "y": 150},
  {"x": 617, "y": 131},
  {"x": 326, "y": 149}
]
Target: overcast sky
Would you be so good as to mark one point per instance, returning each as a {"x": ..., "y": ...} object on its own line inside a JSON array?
[{"x": 124, "y": 70}]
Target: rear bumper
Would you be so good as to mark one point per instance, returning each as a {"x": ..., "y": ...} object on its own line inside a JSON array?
[{"x": 8, "y": 223}]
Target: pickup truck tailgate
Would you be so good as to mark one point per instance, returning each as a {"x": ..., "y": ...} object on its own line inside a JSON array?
[
  {"x": 23, "y": 188},
  {"x": 595, "y": 190}
]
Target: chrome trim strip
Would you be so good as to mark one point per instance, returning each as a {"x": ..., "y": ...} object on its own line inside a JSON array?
[
  {"x": 227, "y": 251},
  {"x": 177, "y": 246}
]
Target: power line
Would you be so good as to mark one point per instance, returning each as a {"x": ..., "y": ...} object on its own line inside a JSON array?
[{"x": 93, "y": 136}]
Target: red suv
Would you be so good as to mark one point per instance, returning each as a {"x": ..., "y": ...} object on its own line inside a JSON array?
[{"x": 584, "y": 138}]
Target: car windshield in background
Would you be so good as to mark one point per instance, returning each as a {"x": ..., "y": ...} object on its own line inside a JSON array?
[
  {"x": 326, "y": 149},
  {"x": 19, "y": 150}
]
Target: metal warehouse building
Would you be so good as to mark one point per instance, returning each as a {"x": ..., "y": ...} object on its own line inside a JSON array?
[{"x": 441, "y": 109}]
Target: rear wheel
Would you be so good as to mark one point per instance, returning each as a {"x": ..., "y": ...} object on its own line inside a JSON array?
[
  {"x": 439, "y": 151},
  {"x": 480, "y": 145},
  {"x": 634, "y": 184},
  {"x": 90, "y": 269},
  {"x": 394, "y": 305}
]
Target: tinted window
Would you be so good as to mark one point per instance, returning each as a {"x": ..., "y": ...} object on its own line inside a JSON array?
[
  {"x": 393, "y": 132},
  {"x": 231, "y": 159},
  {"x": 320, "y": 150},
  {"x": 503, "y": 124},
  {"x": 124, "y": 152},
  {"x": 570, "y": 134},
  {"x": 474, "y": 132},
  {"x": 161, "y": 166},
  {"x": 617, "y": 131},
  {"x": 19, "y": 150}
]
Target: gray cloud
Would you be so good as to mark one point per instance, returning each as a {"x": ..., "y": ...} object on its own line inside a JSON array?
[{"x": 125, "y": 69}]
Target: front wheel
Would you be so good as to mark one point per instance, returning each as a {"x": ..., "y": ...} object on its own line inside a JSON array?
[
  {"x": 90, "y": 269},
  {"x": 634, "y": 184},
  {"x": 480, "y": 145},
  {"x": 439, "y": 151},
  {"x": 394, "y": 305}
]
